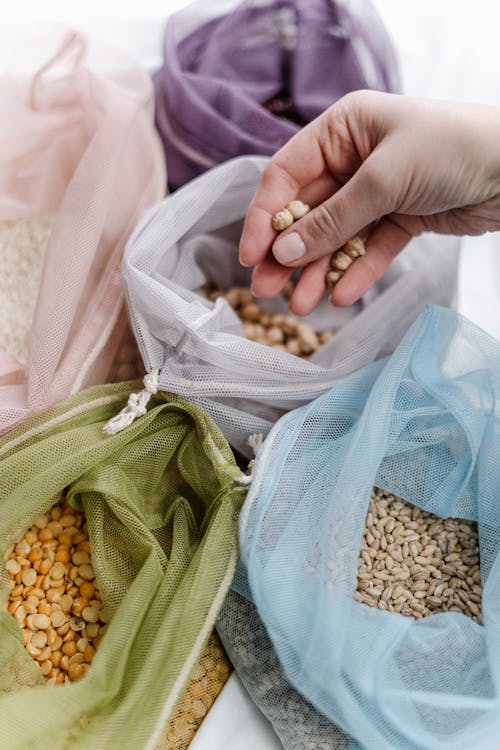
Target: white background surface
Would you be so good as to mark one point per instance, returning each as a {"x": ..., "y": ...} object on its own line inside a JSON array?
[{"x": 448, "y": 49}]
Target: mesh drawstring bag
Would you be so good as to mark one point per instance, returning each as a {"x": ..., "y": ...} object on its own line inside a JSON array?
[
  {"x": 161, "y": 509},
  {"x": 242, "y": 77},
  {"x": 79, "y": 161},
  {"x": 424, "y": 425},
  {"x": 197, "y": 346},
  {"x": 207, "y": 680},
  {"x": 297, "y": 723}
]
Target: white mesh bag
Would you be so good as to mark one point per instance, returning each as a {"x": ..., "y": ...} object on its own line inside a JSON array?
[{"x": 195, "y": 346}]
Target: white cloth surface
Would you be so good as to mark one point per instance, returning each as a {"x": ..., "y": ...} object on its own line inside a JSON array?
[{"x": 235, "y": 722}]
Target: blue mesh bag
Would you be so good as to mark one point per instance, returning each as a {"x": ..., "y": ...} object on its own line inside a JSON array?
[{"x": 422, "y": 424}]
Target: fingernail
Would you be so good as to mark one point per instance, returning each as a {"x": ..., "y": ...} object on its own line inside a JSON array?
[
  {"x": 246, "y": 265},
  {"x": 289, "y": 248}
]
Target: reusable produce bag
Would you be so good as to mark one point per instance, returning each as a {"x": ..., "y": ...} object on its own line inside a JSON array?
[
  {"x": 161, "y": 507},
  {"x": 297, "y": 723},
  {"x": 207, "y": 680},
  {"x": 243, "y": 77},
  {"x": 79, "y": 161},
  {"x": 424, "y": 425},
  {"x": 196, "y": 345}
]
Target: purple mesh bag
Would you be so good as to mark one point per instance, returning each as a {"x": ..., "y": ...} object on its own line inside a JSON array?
[{"x": 244, "y": 80}]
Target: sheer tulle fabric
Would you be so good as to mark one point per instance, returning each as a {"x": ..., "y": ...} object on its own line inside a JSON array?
[
  {"x": 76, "y": 141},
  {"x": 243, "y": 77}
]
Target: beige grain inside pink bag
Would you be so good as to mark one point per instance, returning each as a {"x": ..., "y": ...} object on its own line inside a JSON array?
[{"x": 78, "y": 151}]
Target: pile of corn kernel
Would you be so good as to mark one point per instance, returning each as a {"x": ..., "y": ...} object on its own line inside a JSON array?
[
  {"x": 53, "y": 594},
  {"x": 284, "y": 332},
  {"x": 209, "y": 677}
]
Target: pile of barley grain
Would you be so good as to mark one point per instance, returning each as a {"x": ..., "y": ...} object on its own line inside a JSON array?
[
  {"x": 284, "y": 332},
  {"x": 53, "y": 594},
  {"x": 417, "y": 564},
  {"x": 209, "y": 677},
  {"x": 22, "y": 250}
]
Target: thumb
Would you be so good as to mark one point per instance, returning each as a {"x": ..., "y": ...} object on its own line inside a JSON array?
[{"x": 362, "y": 200}]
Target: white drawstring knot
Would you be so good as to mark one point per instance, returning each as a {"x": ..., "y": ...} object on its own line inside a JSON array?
[
  {"x": 254, "y": 441},
  {"x": 136, "y": 405}
]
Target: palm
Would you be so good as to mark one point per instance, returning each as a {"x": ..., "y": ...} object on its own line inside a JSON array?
[{"x": 379, "y": 165}]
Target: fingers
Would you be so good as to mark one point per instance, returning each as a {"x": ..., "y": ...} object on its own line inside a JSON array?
[
  {"x": 285, "y": 178},
  {"x": 269, "y": 277},
  {"x": 361, "y": 201},
  {"x": 258, "y": 234},
  {"x": 350, "y": 180},
  {"x": 310, "y": 287},
  {"x": 385, "y": 242}
]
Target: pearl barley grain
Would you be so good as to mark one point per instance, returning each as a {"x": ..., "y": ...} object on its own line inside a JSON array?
[{"x": 424, "y": 564}]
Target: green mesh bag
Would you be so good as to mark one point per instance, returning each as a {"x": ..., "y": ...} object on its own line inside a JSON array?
[{"x": 161, "y": 506}]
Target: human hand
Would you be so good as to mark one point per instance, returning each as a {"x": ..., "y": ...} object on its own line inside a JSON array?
[{"x": 383, "y": 166}]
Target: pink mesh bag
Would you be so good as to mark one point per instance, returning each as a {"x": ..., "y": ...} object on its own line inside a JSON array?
[{"x": 77, "y": 143}]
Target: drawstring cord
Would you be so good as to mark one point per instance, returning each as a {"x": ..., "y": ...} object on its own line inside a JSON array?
[
  {"x": 136, "y": 405},
  {"x": 254, "y": 441}
]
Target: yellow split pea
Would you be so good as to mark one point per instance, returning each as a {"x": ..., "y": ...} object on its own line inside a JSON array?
[{"x": 53, "y": 595}]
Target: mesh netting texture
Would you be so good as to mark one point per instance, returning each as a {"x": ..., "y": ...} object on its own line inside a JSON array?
[
  {"x": 207, "y": 680},
  {"x": 79, "y": 161},
  {"x": 191, "y": 239},
  {"x": 297, "y": 723},
  {"x": 423, "y": 425},
  {"x": 162, "y": 513},
  {"x": 241, "y": 78}
]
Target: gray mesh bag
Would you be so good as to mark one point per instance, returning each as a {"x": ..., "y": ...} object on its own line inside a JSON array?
[
  {"x": 298, "y": 724},
  {"x": 194, "y": 347}
]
